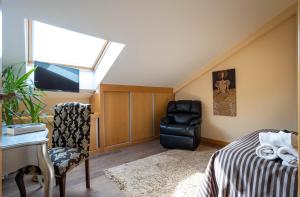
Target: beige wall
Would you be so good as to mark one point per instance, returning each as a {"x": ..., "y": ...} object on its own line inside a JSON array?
[
  {"x": 52, "y": 98},
  {"x": 266, "y": 78}
]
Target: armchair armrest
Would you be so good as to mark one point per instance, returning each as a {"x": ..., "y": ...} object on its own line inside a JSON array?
[
  {"x": 195, "y": 121},
  {"x": 165, "y": 120}
]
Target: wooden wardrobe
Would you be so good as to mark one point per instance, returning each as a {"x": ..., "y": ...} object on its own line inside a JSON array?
[{"x": 130, "y": 114}]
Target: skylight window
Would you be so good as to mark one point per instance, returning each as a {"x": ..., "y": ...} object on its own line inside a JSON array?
[
  {"x": 111, "y": 54},
  {"x": 56, "y": 45},
  {"x": 91, "y": 55}
]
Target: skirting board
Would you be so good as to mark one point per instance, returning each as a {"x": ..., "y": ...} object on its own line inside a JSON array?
[{"x": 213, "y": 142}]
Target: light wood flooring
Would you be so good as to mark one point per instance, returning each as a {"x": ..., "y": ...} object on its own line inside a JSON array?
[{"x": 100, "y": 185}]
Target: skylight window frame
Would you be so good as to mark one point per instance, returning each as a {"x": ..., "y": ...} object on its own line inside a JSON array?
[{"x": 29, "y": 49}]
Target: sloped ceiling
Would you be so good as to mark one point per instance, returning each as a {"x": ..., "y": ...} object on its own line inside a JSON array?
[{"x": 165, "y": 40}]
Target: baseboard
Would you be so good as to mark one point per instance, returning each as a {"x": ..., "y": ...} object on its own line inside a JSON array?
[{"x": 213, "y": 142}]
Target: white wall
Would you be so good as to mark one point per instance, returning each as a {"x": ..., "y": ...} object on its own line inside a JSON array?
[
  {"x": 111, "y": 54},
  {"x": 266, "y": 82},
  {"x": 165, "y": 40}
]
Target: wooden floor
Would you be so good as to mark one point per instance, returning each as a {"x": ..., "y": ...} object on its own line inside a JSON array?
[{"x": 100, "y": 185}]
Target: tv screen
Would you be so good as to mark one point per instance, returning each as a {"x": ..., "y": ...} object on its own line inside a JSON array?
[{"x": 55, "y": 77}]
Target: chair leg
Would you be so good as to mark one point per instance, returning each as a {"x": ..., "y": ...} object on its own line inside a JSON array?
[
  {"x": 87, "y": 173},
  {"x": 19, "y": 178},
  {"x": 62, "y": 185}
]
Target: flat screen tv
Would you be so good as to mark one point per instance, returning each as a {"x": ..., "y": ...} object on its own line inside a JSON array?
[{"x": 53, "y": 77}]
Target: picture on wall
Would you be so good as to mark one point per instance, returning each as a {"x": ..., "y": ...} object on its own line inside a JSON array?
[{"x": 224, "y": 92}]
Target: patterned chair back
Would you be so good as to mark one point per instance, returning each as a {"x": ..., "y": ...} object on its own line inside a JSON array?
[{"x": 72, "y": 126}]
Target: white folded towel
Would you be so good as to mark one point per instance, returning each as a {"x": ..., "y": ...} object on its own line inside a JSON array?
[
  {"x": 280, "y": 139},
  {"x": 267, "y": 151},
  {"x": 288, "y": 155}
]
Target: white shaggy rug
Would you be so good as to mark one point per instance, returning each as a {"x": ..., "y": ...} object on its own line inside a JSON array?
[{"x": 172, "y": 173}]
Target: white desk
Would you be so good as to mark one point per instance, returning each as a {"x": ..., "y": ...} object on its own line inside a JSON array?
[{"x": 28, "y": 149}]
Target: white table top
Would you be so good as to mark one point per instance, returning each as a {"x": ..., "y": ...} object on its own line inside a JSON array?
[{"x": 13, "y": 141}]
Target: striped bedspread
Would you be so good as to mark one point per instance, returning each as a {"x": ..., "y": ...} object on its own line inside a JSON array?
[{"x": 236, "y": 170}]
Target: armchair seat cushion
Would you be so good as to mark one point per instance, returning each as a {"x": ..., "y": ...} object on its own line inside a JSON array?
[
  {"x": 177, "y": 129},
  {"x": 64, "y": 158}
]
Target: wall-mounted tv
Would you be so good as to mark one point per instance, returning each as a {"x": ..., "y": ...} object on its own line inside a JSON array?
[{"x": 54, "y": 77}]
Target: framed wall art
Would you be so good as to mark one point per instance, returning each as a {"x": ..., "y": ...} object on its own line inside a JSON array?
[{"x": 224, "y": 92}]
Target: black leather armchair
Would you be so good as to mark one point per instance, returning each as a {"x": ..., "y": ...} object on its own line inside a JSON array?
[{"x": 181, "y": 127}]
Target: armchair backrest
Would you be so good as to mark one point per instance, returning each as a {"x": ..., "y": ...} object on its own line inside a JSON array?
[
  {"x": 183, "y": 111},
  {"x": 72, "y": 126}
]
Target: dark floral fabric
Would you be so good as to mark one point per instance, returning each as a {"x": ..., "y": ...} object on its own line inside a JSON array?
[
  {"x": 70, "y": 138},
  {"x": 64, "y": 159},
  {"x": 72, "y": 126}
]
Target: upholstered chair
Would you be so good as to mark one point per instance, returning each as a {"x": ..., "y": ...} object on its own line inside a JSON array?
[
  {"x": 70, "y": 144},
  {"x": 70, "y": 140}
]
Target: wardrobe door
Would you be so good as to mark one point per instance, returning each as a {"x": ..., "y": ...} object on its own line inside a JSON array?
[
  {"x": 141, "y": 116},
  {"x": 116, "y": 118}
]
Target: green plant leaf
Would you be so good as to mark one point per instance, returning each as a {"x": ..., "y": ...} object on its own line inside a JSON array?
[{"x": 26, "y": 92}]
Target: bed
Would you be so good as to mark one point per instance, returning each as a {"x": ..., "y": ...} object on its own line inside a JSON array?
[{"x": 236, "y": 170}]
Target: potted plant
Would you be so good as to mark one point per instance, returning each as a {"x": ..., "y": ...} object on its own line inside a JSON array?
[{"x": 28, "y": 99}]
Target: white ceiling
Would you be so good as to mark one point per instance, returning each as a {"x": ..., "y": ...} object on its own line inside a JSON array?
[{"x": 166, "y": 40}]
